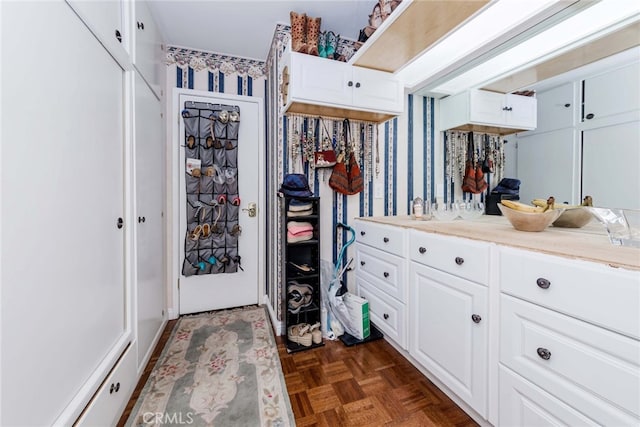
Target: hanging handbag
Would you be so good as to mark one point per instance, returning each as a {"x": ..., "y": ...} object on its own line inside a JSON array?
[
  {"x": 325, "y": 157},
  {"x": 346, "y": 177},
  {"x": 356, "y": 183},
  {"x": 339, "y": 180},
  {"x": 469, "y": 181}
]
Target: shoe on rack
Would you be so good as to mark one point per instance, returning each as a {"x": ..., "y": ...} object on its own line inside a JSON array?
[
  {"x": 316, "y": 333},
  {"x": 300, "y": 334}
]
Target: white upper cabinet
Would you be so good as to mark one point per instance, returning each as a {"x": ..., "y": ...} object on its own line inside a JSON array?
[
  {"x": 107, "y": 21},
  {"x": 488, "y": 111},
  {"x": 321, "y": 86},
  {"x": 148, "y": 48},
  {"x": 611, "y": 93},
  {"x": 555, "y": 108}
]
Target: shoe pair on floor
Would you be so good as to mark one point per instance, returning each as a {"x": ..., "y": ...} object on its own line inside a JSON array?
[{"x": 305, "y": 334}]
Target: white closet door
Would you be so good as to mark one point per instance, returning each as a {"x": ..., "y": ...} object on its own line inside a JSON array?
[
  {"x": 62, "y": 258},
  {"x": 149, "y": 164}
]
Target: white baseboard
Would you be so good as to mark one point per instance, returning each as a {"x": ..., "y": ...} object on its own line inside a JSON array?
[
  {"x": 171, "y": 314},
  {"x": 277, "y": 325}
]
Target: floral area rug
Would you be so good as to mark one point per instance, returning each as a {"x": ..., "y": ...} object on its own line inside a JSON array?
[{"x": 217, "y": 369}]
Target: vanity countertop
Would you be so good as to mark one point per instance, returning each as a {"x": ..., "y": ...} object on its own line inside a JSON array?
[{"x": 589, "y": 243}]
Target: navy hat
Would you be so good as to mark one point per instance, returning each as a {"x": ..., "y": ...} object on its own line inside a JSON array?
[{"x": 295, "y": 185}]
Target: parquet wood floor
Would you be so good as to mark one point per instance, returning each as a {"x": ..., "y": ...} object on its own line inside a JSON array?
[{"x": 364, "y": 385}]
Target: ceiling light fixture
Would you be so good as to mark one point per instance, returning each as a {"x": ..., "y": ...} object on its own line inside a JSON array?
[{"x": 591, "y": 23}]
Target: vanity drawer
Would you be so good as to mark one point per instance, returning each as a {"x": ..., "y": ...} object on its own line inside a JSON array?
[
  {"x": 603, "y": 295},
  {"x": 388, "y": 314},
  {"x": 389, "y": 239},
  {"x": 386, "y": 271},
  {"x": 524, "y": 404},
  {"x": 580, "y": 363},
  {"x": 462, "y": 257}
]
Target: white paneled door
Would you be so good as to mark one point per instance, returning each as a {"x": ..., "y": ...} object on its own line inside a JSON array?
[{"x": 223, "y": 290}]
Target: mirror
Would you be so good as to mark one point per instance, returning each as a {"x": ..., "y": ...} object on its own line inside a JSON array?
[{"x": 587, "y": 141}]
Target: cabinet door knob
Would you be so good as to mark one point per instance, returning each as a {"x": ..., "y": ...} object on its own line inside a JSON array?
[
  {"x": 386, "y": 240},
  {"x": 385, "y": 274},
  {"x": 422, "y": 249},
  {"x": 118, "y": 36},
  {"x": 386, "y": 316},
  {"x": 362, "y": 233},
  {"x": 358, "y": 84},
  {"x": 567, "y": 105},
  {"x": 112, "y": 388},
  {"x": 543, "y": 283},
  {"x": 362, "y": 263},
  {"x": 120, "y": 223},
  {"x": 144, "y": 219},
  {"x": 350, "y": 83},
  {"x": 589, "y": 116},
  {"x": 544, "y": 353},
  {"x": 117, "y": 387},
  {"x": 476, "y": 318},
  {"x": 459, "y": 260},
  {"x": 141, "y": 25}
]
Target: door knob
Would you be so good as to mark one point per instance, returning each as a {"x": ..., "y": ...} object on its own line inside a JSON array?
[{"x": 252, "y": 209}]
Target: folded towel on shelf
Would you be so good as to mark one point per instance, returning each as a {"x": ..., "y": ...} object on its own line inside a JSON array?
[
  {"x": 296, "y": 205},
  {"x": 297, "y": 227},
  {"x": 299, "y": 213},
  {"x": 300, "y": 237}
]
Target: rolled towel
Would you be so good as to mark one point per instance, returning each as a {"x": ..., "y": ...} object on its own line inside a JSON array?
[
  {"x": 296, "y": 227},
  {"x": 299, "y": 213},
  {"x": 294, "y": 238}
]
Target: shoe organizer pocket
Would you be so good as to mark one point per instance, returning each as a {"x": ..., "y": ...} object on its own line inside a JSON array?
[
  {"x": 193, "y": 184},
  {"x": 206, "y": 242},
  {"x": 231, "y": 238},
  {"x": 203, "y": 266},
  {"x": 192, "y": 153},
  {"x": 219, "y": 213},
  {"x": 204, "y": 125},
  {"x": 190, "y": 265},
  {"x": 232, "y": 210},
  {"x": 231, "y": 180},
  {"x": 190, "y": 244},
  {"x": 193, "y": 210},
  {"x": 219, "y": 156},
  {"x": 232, "y": 129},
  {"x": 231, "y": 157},
  {"x": 190, "y": 116},
  {"x": 206, "y": 155},
  {"x": 218, "y": 239},
  {"x": 206, "y": 184},
  {"x": 220, "y": 130},
  {"x": 232, "y": 266},
  {"x": 218, "y": 267}
]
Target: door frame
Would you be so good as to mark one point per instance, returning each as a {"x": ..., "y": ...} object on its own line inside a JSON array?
[{"x": 173, "y": 193}]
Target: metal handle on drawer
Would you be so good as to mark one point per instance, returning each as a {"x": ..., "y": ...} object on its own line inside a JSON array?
[
  {"x": 476, "y": 318},
  {"x": 422, "y": 249},
  {"x": 362, "y": 233},
  {"x": 544, "y": 353},
  {"x": 386, "y": 240},
  {"x": 385, "y": 274},
  {"x": 543, "y": 283},
  {"x": 362, "y": 263},
  {"x": 459, "y": 260},
  {"x": 386, "y": 316}
]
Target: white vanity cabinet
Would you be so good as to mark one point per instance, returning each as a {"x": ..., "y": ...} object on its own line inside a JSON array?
[
  {"x": 333, "y": 88},
  {"x": 449, "y": 313},
  {"x": 381, "y": 277},
  {"x": 569, "y": 341},
  {"x": 483, "y": 110}
]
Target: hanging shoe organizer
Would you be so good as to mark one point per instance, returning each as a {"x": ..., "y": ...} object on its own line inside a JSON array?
[{"x": 211, "y": 175}]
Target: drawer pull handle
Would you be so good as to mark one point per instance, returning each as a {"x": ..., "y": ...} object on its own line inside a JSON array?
[
  {"x": 386, "y": 316},
  {"x": 476, "y": 318},
  {"x": 385, "y": 274},
  {"x": 386, "y": 240},
  {"x": 362, "y": 233},
  {"x": 459, "y": 260},
  {"x": 422, "y": 249},
  {"x": 362, "y": 263},
  {"x": 544, "y": 353},
  {"x": 117, "y": 387},
  {"x": 543, "y": 283},
  {"x": 112, "y": 388}
]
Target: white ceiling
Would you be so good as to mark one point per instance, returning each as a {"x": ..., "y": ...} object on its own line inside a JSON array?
[{"x": 245, "y": 28}]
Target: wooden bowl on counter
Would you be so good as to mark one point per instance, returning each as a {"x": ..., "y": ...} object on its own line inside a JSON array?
[
  {"x": 573, "y": 218},
  {"x": 525, "y": 221}
]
